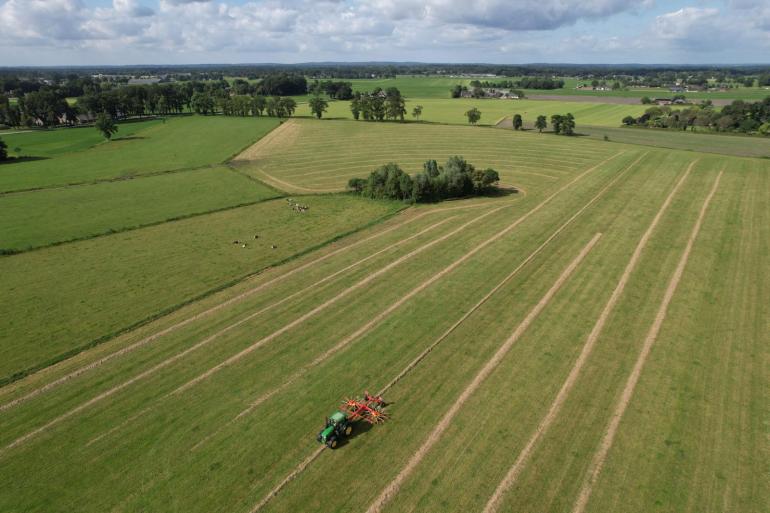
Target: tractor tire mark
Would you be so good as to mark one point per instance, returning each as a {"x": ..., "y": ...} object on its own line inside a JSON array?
[
  {"x": 196, "y": 317},
  {"x": 297, "y": 471},
  {"x": 493, "y": 504},
  {"x": 625, "y": 398},
  {"x": 393, "y": 487}
]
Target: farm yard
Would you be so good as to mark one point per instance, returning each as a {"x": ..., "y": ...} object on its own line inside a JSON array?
[{"x": 595, "y": 341}]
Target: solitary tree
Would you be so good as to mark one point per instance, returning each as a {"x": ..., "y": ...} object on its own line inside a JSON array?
[
  {"x": 646, "y": 100},
  {"x": 417, "y": 112},
  {"x": 473, "y": 115},
  {"x": 517, "y": 122},
  {"x": 106, "y": 125},
  {"x": 3, "y": 150},
  {"x": 318, "y": 106},
  {"x": 541, "y": 123}
]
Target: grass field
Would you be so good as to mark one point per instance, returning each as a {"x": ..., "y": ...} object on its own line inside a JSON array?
[
  {"x": 43, "y": 217},
  {"x": 439, "y": 87},
  {"x": 597, "y": 342},
  {"x": 125, "y": 278},
  {"x": 295, "y": 156},
  {"x": 179, "y": 143},
  {"x": 452, "y": 111},
  {"x": 49, "y": 143}
]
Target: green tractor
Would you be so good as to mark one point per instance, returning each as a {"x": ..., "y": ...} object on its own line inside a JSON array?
[
  {"x": 337, "y": 427},
  {"x": 340, "y": 424}
]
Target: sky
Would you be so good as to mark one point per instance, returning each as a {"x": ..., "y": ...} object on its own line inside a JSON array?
[{"x": 99, "y": 32}]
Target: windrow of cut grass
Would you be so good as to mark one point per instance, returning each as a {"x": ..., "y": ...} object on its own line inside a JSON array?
[
  {"x": 51, "y": 216},
  {"x": 307, "y": 155},
  {"x": 67, "y": 297},
  {"x": 178, "y": 143}
]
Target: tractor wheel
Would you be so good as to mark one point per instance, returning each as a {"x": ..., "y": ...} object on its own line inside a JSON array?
[
  {"x": 331, "y": 442},
  {"x": 348, "y": 430}
]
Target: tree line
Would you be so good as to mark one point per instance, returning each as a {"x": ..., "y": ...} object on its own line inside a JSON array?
[
  {"x": 739, "y": 116},
  {"x": 457, "y": 178}
]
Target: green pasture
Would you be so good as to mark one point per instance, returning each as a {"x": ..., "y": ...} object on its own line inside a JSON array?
[
  {"x": 452, "y": 110},
  {"x": 49, "y": 143},
  {"x": 179, "y": 143},
  {"x": 440, "y": 86},
  {"x": 691, "y": 440},
  {"x": 70, "y": 295},
  {"x": 48, "y": 216}
]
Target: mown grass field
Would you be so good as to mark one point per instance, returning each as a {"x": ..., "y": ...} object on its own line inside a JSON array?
[
  {"x": 515, "y": 323},
  {"x": 295, "y": 156},
  {"x": 179, "y": 143},
  {"x": 452, "y": 111}
]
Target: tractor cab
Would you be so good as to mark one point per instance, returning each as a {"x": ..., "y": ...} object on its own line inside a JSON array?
[
  {"x": 336, "y": 427},
  {"x": 340, "y": 424}
]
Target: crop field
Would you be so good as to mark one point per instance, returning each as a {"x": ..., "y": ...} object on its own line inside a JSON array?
[
  {"x": 596, "y": 342},
  {"x": 452, "y": 111}
]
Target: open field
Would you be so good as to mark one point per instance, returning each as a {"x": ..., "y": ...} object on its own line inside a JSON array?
[
  {"x": 48, "y": 216},
  {"x": 127, "y": 277},
  {"x": 492, "y": 110},
  {"x": 48, "y": 143},
  {"x": 296, "y": 156},
  {"x": 179, "y": 143},
  {"x": 439, "y": 87},
  {"x": 726, "y": 144},
  {"x": 504, "y": 331}
]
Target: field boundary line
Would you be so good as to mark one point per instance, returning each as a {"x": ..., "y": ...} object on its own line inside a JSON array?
[
  {"x": 513, "y": 473},
  {"x": 217, "y": 307},
  {"x": 597, "y": 463},
  {"x": 269, "y": 394},
  {"x": 393, "y": 487}
]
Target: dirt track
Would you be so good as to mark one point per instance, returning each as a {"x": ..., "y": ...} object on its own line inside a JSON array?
[
  {"x": 485, "y": 371},
  {"x": 604, "y": 447},
  {"x": 513, "y": 473}
]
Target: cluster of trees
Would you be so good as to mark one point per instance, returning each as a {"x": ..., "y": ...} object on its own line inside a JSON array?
[
  {"x": 243, "y": 105},
  {"x": 3, "y": 150},
  {"x": 336, "y": 90},
  {"x": 379, "y": 105},
  {"x": 282, "y": 84},
  {"x": 479, "y": 92},
  {"x": 739, "y": 116},
  {"x": 563, "y": 124},
  {"x": 457, "y": 178},
  {"x": 524, "y": 83}
]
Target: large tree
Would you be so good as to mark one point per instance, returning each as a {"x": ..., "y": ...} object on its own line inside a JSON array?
[
  {"x": 3, "y": 150},
  {"x": 318, "y": 106},
  {"x": 541, "y": 123},
  {"x": 517, "y": 122},
  {"x": 473, "y": 115},
  {"x": 106, "y": 125}
]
